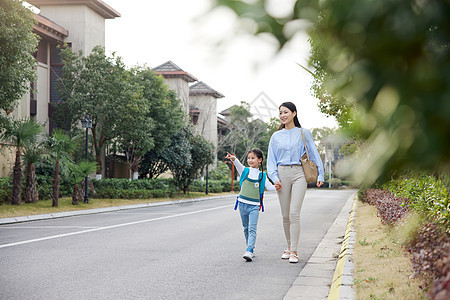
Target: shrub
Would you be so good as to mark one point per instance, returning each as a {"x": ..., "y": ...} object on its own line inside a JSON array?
[
  {"x": 222, "y": 172},
  {"x": 5, "y": 189},
  {"x": 428, "y": 196},
  {"x": 335, "y": 182}
]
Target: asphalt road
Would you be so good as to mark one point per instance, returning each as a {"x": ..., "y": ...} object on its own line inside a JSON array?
[{"x": 179, "y": 251}]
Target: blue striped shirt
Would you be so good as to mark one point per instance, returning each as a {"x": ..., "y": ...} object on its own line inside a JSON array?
[{"x": 286, "y": 148}]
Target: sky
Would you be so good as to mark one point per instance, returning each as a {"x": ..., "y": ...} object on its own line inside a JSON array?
[{"x": 213, "y": 47}]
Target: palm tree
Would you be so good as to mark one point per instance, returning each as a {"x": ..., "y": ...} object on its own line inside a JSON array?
[
  {"x": 20, "y": 133},
  {"x": 60, "y": 146},
  {"x": 31, "y": 156},
  {"x": 77, "y": 172}
]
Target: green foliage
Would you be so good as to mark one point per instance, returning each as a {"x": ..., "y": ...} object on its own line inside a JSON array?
[
  {"x": 21, "y": 133},
  {"x": 221, "y": 172},
  {"x": 384, "y": 67},
  {"x": 428, "y": 196},
  {"x": 101, "y": 87},
  {"x": 78, "y": 171},
  {"x": 5, "y": 189},
  {"x": 17, "y": 45},
  {"x": 135, "y": 189},
  {"x": 214, "y": 186},
  {"x": 164, "y": 107}
]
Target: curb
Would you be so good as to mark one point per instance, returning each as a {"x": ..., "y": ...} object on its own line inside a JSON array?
[
  {"x": 4, "y": 221},
  {"x": 315, "y": 279},
  {"x": 342, "y": 284}
]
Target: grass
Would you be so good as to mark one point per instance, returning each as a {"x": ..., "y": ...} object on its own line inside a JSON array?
[
  {"x": 65, "y": 204},
  {"x": 382, "y": 268}
]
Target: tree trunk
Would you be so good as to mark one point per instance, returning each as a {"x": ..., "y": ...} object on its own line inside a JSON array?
[
  {"x": 17, "y": 180},
  {"x": 55, "y": 184},
  {"x": 75, "y": 194},
  {"x": 31, "y": 193}
]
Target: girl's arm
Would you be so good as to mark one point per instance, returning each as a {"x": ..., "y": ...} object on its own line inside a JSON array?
[
  {"x": 236, "y": 162},
  {"x": 269, "y": 186}
]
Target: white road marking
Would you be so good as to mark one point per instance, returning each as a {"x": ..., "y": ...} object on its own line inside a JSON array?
[
  {"x": 48, "y": 227},
  {"x": 106, "y": 227}
]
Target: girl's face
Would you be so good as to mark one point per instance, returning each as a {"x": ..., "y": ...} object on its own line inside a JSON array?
[
  {"x": 253, "y": 160},
  {"x": 286, "y": 115}
]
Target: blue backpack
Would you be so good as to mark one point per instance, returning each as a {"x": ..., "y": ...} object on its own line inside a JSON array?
[{"x": 244, "y": 176}]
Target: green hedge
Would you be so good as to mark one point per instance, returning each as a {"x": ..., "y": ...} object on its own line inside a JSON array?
[{"x": 428, "y": 196}]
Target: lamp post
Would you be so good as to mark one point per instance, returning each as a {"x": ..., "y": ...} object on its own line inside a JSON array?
[{"x": 86, "y": 123}]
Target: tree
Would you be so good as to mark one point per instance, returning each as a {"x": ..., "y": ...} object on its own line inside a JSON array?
[
  {"x": 178, "y": 157},
  {"x": 78, "y": 172},
  {"x": 164, "y": 109},
  {"x": 243, "y": 133},
  {"x": 20, "y": 133},
  {"x": 31, "y": 156},
  {"x": 387, "y": 59},
  {"x": 187, "y": 155},
  {"x": 18, "y": 43},
  {"x": 60, "y": 145},
  {"x": 101, "y": 87}
]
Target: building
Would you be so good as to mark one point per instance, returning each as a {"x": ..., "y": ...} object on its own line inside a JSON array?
[
  {"x": 78, "y": 23},
  {"x": 199, "y": 100}
]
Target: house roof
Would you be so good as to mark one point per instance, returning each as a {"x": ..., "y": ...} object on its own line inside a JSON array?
[
  {"x": 201, "y": 88},
  {"x": 98, "y": 6},
  {"x": 47, "y": 29},
  {"x": 171, "y": 70},
  {"x": 227, "y": 112}
]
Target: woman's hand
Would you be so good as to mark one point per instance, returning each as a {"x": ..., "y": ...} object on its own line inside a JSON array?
[
  {"x": 230, "y": 157},
  {"x": 278, "y": 185},
  {"x": 319, "y": 183}
]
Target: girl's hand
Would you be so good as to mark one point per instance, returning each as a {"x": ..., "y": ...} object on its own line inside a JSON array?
[
  {"x": 278, "y": 185},
  {"x": 319, "y": 183},
  {"x": 230, "y": 157}
]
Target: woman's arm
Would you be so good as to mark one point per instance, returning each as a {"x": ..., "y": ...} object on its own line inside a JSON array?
[
  {"x": 272, "y": 170},
  {"x": 314, "y": 154}
]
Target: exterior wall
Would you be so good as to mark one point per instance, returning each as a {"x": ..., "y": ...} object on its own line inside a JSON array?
[
  {"x": 181, "y": 88},
  {"x": 207, "y": 119},
  {"x": 86, "y": 27},
  {"x": 43, "y": 94},
  {"x": 6, "y": 160}
]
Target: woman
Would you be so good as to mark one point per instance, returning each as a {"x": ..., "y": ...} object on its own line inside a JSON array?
[{"x": 284, "y": 168}]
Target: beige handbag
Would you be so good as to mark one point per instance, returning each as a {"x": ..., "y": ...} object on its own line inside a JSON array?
[{"x": 309, "y": 167}]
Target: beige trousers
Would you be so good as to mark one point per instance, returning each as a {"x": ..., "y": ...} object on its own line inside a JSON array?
[{"x": 291, "y": 195}]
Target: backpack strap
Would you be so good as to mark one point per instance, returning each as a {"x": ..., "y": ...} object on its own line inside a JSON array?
[{"x": 262, "y": 186}]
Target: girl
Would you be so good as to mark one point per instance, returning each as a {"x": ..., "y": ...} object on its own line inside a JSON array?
[
  {"x": 252, "y": 185},
  {"x": 284, "y": 167}
]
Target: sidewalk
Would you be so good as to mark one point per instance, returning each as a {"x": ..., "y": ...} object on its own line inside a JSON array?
[{"x": 327, "y": 274}]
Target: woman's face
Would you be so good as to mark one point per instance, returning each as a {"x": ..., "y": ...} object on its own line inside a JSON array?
[
  {"x": 253, "y": 160},
  {"x": 286, "y": 115}
]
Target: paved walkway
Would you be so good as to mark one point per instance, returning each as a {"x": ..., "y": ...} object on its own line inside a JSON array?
[{"x": 327, "y": 274}]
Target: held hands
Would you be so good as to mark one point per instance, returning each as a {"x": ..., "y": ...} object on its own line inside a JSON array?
[
  {"x": 278, "y": 185},
  {"x": 319, "y": 183},
  {"x": 230, "y": 157}
]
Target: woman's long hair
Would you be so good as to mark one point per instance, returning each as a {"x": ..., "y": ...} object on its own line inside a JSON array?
[
  {"x": 258, "y": 154},
  {"x": 291, "y": 106}
]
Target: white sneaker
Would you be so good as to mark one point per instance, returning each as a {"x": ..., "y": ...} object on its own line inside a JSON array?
[
  {"x": 286, "y": 254},
  {"x": 248, "y": 256},
  {"x": 293, "y": 258}
]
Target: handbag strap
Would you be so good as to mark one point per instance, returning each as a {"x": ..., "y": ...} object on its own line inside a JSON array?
[{"x": 304, "y": 143}]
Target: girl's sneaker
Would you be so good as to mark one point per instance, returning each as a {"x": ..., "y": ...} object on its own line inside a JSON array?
[
  {"x": 248, "y": 256},
  {"x": 286, "y": 254}
]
